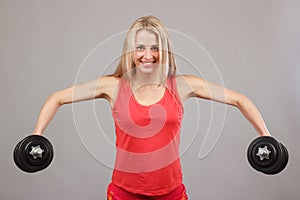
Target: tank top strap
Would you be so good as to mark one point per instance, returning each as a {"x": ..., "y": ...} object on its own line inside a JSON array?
[
  {"x": 124, "y": 89},
  {"x": 172, "y": 87}
]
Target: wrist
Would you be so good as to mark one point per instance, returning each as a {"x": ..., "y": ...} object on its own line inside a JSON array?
[{"x": 37, "y": 133}]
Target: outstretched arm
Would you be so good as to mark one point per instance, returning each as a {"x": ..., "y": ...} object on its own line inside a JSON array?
[
  {"x": 197, "y": 87},
  {"x": 99, "y": 88}
]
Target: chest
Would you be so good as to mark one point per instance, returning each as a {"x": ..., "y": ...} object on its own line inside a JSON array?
[
  {"x": 148, "y": 96},
  {"x": 138, "y": 112}
]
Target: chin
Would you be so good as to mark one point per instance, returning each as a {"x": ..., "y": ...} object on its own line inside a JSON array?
[{"x": 147, "y": 69}]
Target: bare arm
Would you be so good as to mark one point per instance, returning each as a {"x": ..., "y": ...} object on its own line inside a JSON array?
[
  {"x": 99, "y": 88},
  {"x": 192, "y": 86}
]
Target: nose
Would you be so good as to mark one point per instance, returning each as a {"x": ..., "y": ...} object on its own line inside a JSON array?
[{"x": 148, "y": 53}]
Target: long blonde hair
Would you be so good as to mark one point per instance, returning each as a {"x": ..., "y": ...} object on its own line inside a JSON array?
[{"x": 126, "y": 66}]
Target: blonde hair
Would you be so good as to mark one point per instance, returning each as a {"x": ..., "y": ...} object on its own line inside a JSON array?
[{"x": 126, "y": 66}]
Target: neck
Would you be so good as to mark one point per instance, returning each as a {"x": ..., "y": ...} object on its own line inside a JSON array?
[{"x": 141, "y": 79}]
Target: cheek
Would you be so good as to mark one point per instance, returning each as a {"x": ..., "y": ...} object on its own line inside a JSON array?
[
  {"x": 156, "y": 55},
  {"x": 137, "y": 56},
  {"x": 135, "y": 59}
]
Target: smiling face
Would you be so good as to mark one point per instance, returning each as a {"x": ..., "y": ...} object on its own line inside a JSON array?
[
  {"x": 147, "y": 48},
  {"x": 146, "y": 54}
]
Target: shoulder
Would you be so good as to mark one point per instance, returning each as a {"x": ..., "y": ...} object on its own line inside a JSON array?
[
  {"x": 107, "y": 86},
  {"x": 190, "y": 81},
  {"x": 108, "y": 82},
  {"x": 187, "y": 78},
  {"x": 183, "y": 86},
  {"x": 187, "y": 84}
]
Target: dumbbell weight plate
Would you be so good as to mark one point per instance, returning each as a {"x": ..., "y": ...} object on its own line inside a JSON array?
[
  {"x": 17, "y": 157},
  {"x": 276, "y": 156},
  {"x": 276, "y": 167},
  {"x": 285, "y": 159},
  {"x": 286, "y": 155},
  {"x": 282, "y": 162},
  {"x": 25, "y": 161}
]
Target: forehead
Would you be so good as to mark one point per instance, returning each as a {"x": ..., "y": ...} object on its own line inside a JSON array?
[{"x": 146, "y": 37}]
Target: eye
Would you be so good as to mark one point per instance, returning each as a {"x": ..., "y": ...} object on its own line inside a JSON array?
[
  {"x": 140, "y": 48},
  {"x": 155, "y": 48}
]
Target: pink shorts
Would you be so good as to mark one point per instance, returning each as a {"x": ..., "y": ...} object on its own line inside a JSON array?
[{"x": 116, "y": 193}]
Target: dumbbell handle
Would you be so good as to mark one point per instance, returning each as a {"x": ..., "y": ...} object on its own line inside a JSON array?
[
  {"x": 36, "y": 152},
  {"x": 263, "y": 153}
]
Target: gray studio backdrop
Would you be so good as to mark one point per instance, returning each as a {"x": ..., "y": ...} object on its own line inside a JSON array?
[{"x": 249, "y": 46}]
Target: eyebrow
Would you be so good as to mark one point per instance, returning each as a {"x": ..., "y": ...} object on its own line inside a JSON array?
[{"x": 155, "y": 45}]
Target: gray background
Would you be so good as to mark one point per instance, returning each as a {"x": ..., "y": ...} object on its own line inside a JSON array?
[{"x": 254, "y": 44}]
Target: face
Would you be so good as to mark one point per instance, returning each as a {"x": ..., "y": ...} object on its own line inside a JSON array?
[{"x": 146, "y": 55}]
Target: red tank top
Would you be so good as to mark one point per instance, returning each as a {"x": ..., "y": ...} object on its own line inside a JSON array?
[{"x": 147, "y": 141}]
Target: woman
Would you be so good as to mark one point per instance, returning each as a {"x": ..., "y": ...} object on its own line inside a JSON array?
[{"x": 146, "y": 98}]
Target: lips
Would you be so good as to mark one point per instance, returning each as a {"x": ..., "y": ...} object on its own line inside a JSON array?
[{"x": 148, "y": 63}]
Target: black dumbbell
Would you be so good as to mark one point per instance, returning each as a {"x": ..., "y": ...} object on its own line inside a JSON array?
[
  {"x": 34, "y": 153},
  {"x": 267, "y": 155}
]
